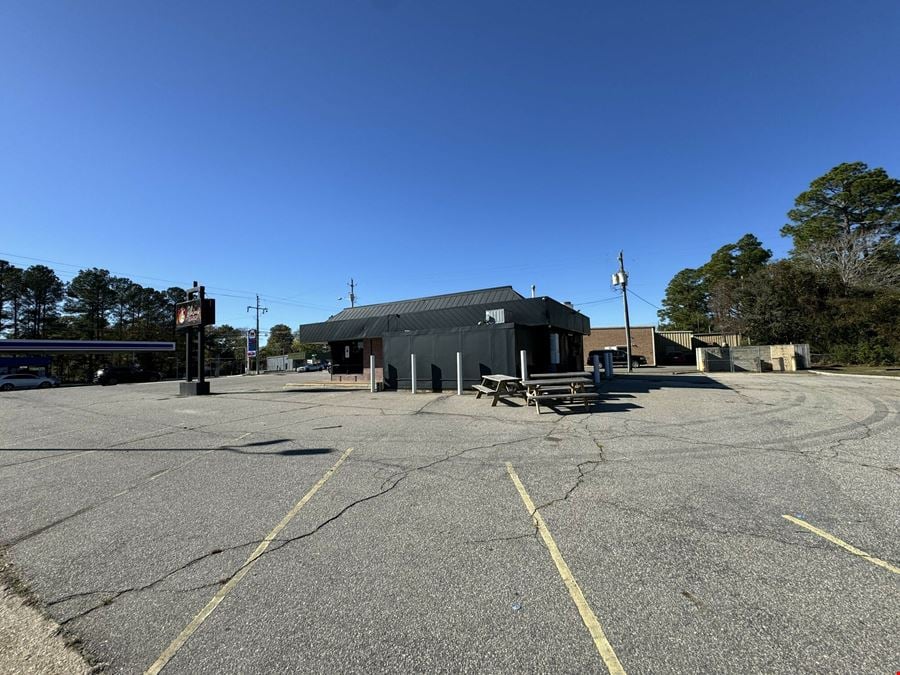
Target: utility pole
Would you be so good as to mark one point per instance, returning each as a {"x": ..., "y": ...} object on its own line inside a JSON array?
[
  {"x": 263, "y": 310},
  {"x": 352, "y": 285},
  {"x": 622, "y": 278}
]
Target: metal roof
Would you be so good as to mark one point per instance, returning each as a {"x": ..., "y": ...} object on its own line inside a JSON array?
[
  {"x": 523, "y": 311},
  {"x": 447, "y": 301}
]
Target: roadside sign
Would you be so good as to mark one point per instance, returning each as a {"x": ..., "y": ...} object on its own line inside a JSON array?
[
  {"x": 195, "y": 313},
  {"x": 251, "y": 342}
]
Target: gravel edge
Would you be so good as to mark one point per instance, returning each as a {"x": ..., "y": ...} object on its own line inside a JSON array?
[{"x": 31, "y": 641}]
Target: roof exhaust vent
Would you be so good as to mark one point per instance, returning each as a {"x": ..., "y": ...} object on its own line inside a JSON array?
[{"x": 495, "y": 316}]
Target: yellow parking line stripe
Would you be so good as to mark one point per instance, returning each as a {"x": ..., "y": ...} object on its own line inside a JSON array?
[
  {"x": 843, "y": 544},
  {"x": 204, "y": 613},
  {"x": 162, "y": 473},
  {"x": 67, "y": 457},
  {"x": 587, "y": 614}
]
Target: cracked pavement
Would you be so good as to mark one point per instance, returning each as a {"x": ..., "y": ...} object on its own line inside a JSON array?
[{"x": 124, "y": 509}]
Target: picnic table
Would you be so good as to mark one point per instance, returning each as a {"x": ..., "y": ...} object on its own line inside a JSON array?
[
  {"x": 558, "y": 387},
  {"x": 544, "y": 376},
  {"x": 497, "y": 386}
]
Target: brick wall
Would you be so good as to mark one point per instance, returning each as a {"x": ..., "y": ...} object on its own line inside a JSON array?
[
  {"x": 373, "y": 346},
  {"x": 641, "y": 340}
]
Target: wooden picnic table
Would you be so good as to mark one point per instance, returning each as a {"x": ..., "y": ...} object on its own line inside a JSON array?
[
  {"x": 544, "y": 376},
  {"x": 564, "y": 387},
  {"x": 574, "y": 383},
  {"x": 497, "y": 386}
]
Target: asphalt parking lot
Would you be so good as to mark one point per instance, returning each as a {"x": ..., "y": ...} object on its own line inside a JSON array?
[{"x": 270, "y": 530}]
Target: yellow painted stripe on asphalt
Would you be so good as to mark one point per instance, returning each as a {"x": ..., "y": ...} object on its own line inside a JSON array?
[
  {"x": 57, "y": 461},
  {"x": 162, "y": 473},
  {"x": 204, "y": 613},
  {"x": 843, "y": 544},
  {"x": 587, "y": 614}
]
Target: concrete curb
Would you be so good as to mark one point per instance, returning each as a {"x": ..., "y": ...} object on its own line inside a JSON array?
[
  {"x": 886, "y": 377},
  {"x": 328, "y": 385}
]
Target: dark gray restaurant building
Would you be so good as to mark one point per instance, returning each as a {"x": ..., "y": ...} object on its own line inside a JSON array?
[{"x": 488, "y": 326}]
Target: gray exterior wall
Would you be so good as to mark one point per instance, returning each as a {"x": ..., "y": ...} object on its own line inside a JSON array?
[{"x": 486, "y": 350}]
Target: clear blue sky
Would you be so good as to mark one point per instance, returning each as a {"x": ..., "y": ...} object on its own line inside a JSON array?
[{"x": 426, "y": 147}]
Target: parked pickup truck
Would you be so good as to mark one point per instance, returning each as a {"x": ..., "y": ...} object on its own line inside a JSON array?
[
  {"x": 116, "y": 374},
  {"x": 619, "y": 358}
]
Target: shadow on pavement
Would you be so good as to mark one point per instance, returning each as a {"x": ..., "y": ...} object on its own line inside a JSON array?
[
  {"x": 629, "y": 386},
  {"x": 578, "y": 408},
  {"x": 239, "y": 449},
  {"x": 643, "y": 384}
]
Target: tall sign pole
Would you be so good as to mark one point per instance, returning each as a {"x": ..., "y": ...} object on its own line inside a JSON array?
[
  {"x": 258, "y": 310},
  {"x": 194, "y": 315},
  {"x": 188, "y": 345},
  {"x": 201, "y": 345},
  {"x": 623, "y": 281}
]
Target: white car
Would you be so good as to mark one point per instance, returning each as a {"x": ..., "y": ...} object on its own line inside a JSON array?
[{"x": 26, "y": 381}]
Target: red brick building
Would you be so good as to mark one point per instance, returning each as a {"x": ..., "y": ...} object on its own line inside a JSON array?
[{"x": 643, "y": 340}]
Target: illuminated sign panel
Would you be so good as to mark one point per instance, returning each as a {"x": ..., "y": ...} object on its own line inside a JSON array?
[{"x": 195, "y": 313}]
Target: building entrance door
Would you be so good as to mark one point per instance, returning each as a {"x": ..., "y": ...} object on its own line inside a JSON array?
[{"x": 347, "y": 357}]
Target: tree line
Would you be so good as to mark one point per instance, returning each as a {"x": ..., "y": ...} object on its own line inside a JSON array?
[
  {"x": 838, "y": 289},
  {"x": 96, "y": 305}
]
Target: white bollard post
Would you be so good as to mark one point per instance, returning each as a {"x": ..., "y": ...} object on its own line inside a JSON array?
[
  {"x": 459, "y": 374},
  {"x": 412, "y": 369},
  {"x": 372, "y": 373},
  {"x": 523, "y": 358}
]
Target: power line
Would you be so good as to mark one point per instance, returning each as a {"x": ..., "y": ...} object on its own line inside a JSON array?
[
  {"x": 596, "y": 302},
  {"x": 65, "y": 264},
  {"x": 642, "y": 299},
  {"x": 284, "y": 301},
  {"x": 221, "y": 291}
]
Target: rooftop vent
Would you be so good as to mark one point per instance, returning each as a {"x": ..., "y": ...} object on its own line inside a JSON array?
[{"x": 495, "y": 316}]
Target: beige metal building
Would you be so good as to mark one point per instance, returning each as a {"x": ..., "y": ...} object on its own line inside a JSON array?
[
  {"x": 678, "y": 346},
  {"x": 643, "y": 340}
]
